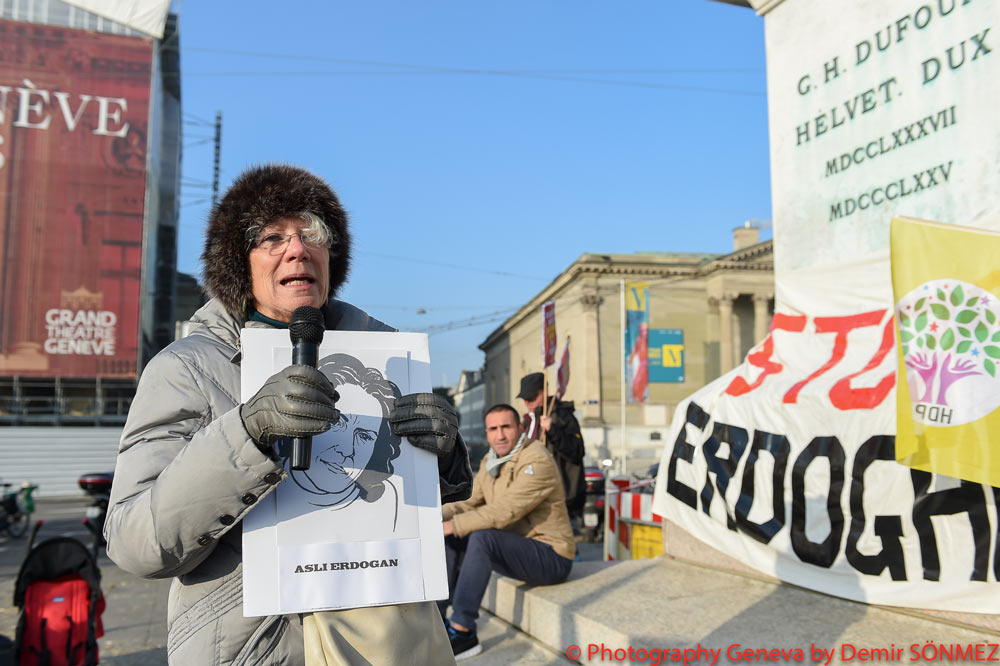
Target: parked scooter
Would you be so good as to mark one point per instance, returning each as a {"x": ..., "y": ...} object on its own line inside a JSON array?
[
  {"x": 593, "y": 507},
  {"x": 98, "y": 486},
  {"x": 16, "y": 507}
]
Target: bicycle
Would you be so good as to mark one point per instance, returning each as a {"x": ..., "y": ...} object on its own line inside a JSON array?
[{"x": 17, "y": 508}]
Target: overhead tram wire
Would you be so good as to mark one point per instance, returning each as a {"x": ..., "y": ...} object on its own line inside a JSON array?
[
  {"x": 478, "y": 320},
  {"x": 435, "y": 69},
  {"x": 382, "y": 63},
  {"x": 562, "y": 300},
  {"x": 542, "y": 77},
  {"x": 648, "y": 70},
  {"x": 193, "y": 203},
  {"x": 455, "y": 266},
  {"x": 499, "y": 315},
  {"x": 191, "y": 119},
  {"x": 435, "y": 308}
]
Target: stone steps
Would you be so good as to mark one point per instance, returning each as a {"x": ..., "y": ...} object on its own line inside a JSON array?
[{"x": 666, "y": 603}]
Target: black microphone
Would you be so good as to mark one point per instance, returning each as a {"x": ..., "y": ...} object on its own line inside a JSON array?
[{"x": 306, "y": 332}]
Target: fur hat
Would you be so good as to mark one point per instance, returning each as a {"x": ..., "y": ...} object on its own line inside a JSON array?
[{"x": 259, "y": 196}]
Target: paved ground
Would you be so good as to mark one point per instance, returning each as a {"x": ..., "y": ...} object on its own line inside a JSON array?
[{"x": 135, "y": 624}]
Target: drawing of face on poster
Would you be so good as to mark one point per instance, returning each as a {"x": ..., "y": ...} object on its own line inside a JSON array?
[
  {"x": 366, "y": 495},
  {"x": 353, "y": 460}
]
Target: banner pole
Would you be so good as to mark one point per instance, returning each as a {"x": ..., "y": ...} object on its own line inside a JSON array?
[
  {"x": 545, "y": 399},
  {"x": 548, "y": 310},
  {"x": 622, "y": 360}
]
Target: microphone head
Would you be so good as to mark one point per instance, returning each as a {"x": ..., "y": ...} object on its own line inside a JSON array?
[{"x": 307, "y": 325}]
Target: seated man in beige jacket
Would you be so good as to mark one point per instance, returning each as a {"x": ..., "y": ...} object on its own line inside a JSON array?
[{"x": 515, "y": 523}]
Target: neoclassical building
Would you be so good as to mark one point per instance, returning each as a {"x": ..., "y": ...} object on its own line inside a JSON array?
[{"x": 722, "y": 304}]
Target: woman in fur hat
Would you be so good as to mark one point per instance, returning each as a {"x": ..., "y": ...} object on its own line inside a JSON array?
[{"x": 194, "y": 460}]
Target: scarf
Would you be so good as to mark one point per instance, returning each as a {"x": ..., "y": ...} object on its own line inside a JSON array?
[{"x": 493, "y": 462}]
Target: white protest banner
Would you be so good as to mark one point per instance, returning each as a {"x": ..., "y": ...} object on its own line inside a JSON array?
[
  {"x": 787, "y": 463},
  {"x": 361, "y": 526}
]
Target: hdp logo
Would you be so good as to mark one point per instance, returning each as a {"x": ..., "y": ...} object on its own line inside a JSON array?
[{"x": 950, "y": 335}]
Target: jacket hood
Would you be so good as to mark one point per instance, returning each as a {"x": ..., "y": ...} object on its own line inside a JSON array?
[{"x": 259, "y": 196}]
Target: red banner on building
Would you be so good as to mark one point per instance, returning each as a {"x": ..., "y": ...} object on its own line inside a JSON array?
[{"x": 74, "y": 109}]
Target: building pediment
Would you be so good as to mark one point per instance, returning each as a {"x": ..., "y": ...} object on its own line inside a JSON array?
[{"x": 757, "y": 257}]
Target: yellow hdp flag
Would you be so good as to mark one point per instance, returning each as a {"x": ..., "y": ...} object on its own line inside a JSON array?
[{"x": 946, "y": 284}]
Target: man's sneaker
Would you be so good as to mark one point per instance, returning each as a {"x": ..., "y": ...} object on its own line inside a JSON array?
[{"x": 464, "y": 644}]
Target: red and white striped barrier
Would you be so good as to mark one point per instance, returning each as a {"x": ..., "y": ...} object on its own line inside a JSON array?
[{"x": 625, "y": 509}]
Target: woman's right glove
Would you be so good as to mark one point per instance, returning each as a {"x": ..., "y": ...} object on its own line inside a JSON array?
[{"x": 299, "y": 401}]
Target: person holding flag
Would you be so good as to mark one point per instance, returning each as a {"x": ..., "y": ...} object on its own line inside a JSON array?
[{"x": 559, "y": 430}]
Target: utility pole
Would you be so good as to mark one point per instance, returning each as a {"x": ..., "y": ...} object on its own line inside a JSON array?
[{"x": 215, "y": 164}]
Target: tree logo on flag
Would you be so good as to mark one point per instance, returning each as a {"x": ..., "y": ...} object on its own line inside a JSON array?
[{"x": 950, "y": 335}]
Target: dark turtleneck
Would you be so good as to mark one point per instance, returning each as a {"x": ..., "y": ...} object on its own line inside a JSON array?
[{"x": 256, "y": 316}]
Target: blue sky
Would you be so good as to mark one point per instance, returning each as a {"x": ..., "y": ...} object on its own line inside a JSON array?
[{"x": 480, "y": 148}]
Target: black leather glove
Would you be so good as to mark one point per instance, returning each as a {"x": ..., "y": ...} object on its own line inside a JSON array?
[
  {"x": 427, "y": 420},
  {"x": 455, "y": 473},
  {"x": 299, "y": 401}
]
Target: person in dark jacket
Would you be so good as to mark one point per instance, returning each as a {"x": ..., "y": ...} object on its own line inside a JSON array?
[
  {"x": 560, "y": 431},
  {"x": 194, "y": 459}
]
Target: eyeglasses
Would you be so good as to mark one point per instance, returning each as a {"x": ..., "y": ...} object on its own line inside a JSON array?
[{"x": 275, "y": 243}]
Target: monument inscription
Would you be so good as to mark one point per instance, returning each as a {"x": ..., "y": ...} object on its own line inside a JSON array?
[{"x": 895, "y": 120}]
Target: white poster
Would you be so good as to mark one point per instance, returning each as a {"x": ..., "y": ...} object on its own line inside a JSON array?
[
  {"x": 361, "y": 526},
  {"x": 877, "y": 110}
]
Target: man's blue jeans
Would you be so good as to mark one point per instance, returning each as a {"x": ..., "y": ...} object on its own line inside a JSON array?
[{"x": 506, "y": 553}]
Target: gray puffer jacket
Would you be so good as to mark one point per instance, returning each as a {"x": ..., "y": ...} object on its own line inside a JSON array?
[{"x": 187, "y": 473}]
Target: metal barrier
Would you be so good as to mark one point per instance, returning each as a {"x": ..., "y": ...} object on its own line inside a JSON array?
[{"x": 631, "y": 530}]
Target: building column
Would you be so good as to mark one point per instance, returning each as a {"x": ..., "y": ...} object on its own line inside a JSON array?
[
  {"x": 726, "y": 333},
  {"x": 591, "y": 345},
  {"x": 761, "y": 319}
]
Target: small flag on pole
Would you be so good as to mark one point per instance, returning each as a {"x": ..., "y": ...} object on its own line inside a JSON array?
[
  {"x": 562, "y": 374},
  {"x": 548, "y": 333}
]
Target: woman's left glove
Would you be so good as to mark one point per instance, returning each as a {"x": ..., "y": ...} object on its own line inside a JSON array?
[{"x": 427, "y": 420}]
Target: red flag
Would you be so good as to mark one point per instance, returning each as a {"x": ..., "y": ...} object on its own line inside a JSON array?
[
  {"x": 548, "y": 333},
  {"x": 562, "y": 374}
]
